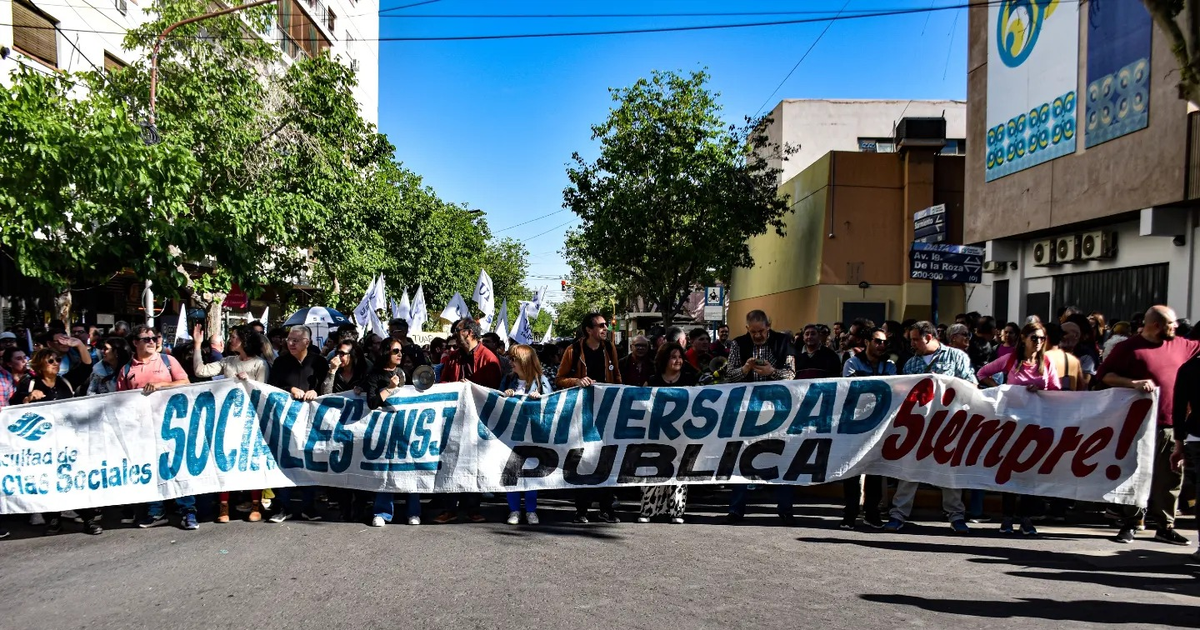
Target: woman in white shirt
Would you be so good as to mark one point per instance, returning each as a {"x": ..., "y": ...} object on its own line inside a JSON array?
[
  {"x": 246, "y": 363},
  {"x": 526, "y": 379}
]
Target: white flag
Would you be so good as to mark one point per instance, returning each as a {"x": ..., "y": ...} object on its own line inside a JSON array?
[
  {"x": 535, "y": 306},
  {"x": 485, "y": 298},
  {"x": 457, "y": 309},
  {"x": 546, "y": 338},
  {"x": 362, "y": 312},
  {"x": 378, "y": 293},
  {"x": 395, "y": 308},
  {"x": 502, "y": 333},
  {"x": 521, "y": 333},
  {"x": 418, "y": 315},
  {"x": 405, "y": 308},
  {"x": 265, "y": 322},
  {"x": 503, "y": 319},
  {"x": 181, "y": 327},
  {"x": 375, "y": 325}
]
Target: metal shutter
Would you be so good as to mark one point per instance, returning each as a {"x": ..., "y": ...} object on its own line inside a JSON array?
[{"x": 34, "y": 34}]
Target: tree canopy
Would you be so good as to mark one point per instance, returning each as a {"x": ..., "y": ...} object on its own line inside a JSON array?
[{"x": 675, "y": 193}]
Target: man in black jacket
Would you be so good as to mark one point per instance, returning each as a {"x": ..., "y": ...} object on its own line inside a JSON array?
[
  {"x": 760, "y": 355},
  {"x": 816, "y": 360},
  {"x": 1187, "y": 424}
]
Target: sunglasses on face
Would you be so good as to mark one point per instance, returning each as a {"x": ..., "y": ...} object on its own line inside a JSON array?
[
  {"x": 342, "y": 353},
  {"x": 396, "y": 350},
  {"x": 1037, "y": 338},
  {"x": 879, "y": 342},
  {"x": 641, "y": 345},
  {"x": 148, "y": 339},
  {"x": 52, "y": 360}
]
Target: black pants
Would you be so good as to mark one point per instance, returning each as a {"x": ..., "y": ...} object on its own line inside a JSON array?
[
  {"x": 603, "y": 496},
  {"x": 86, "y": 515},
  {"x": 852, "y": 489},
  {"x": 1019, "y": 505}
]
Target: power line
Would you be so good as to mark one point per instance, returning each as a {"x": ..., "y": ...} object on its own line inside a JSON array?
[
  {"x": 407, "y": 6},
  {"x": 666, "y": 29},
  {"x": 530, "y": 221},
  {"x": 802, "y": 58},
  {"x": 549, "y": 231},
  {"x": 568, "y": 16}
]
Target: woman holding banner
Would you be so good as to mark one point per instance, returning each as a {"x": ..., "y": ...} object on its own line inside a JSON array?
[
  {"x": 386, "y": 379},
  {"x": 1027, "y": 366},
  {"x": 246, "y": 362},
  {"x": 526, "y": 379},
  {"x": 42, "y": 386},
  {"x": 667, "y": 499}
]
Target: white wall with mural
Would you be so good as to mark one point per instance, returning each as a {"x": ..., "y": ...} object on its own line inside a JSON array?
[{"x": 1032, "y": 78}]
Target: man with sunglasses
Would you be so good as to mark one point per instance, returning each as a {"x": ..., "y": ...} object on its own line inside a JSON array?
[
  {"x": 873, "y": 361},
  {"x": 149, "y": 370}
]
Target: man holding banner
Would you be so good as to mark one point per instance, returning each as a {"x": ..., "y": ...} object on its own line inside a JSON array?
[
  {"x": 761, "y": 354},
  {"x": 932, "y": 358}
]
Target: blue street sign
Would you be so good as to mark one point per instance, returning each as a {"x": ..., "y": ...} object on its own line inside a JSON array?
[
  {"x": 946, "y": 263},
  {"x": 929, "y": 225}
]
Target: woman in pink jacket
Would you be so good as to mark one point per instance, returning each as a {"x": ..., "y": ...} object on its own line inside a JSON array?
[{"x": 1026, "y": 366}]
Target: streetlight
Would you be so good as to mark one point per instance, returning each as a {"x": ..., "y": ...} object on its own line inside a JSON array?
[{"x": 149, "y": 131}]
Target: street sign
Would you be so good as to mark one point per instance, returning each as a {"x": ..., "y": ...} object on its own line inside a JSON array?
[
  {"x": 929, "y": 225},
  {"x": 714, "y": 304},
  {"x": 946, "y": 263}
]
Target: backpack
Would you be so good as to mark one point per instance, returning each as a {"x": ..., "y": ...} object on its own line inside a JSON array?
[{"x": 166, "y": 359}]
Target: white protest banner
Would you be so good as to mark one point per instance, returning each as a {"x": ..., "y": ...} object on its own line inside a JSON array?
[{"x": 238, "y": 435}]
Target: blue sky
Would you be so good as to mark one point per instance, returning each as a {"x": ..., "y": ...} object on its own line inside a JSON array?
[{"x": 493, "y": 123}]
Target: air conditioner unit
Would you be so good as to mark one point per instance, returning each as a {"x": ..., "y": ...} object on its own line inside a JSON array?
[
  {"x": 1066, "y": 249},
  {"x": 994, "y": 266},
  {"x": 1044, "y": 253},
  {"x": 1096, "y": 245}
]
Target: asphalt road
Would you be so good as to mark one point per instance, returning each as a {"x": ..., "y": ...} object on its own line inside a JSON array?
[{"x": 559, "y": 575}]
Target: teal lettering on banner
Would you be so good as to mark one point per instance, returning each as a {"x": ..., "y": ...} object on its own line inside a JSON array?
[
  {"x": 204, "y": 415},
  {"x": 627, "y": 414},
  {"x": 816, "y": 410},
  {"x": 859, "y": 389},
  {"x": 698, "y": 431},
  {"x": 779, "y": 397},
  {"x": 170, "y": 463},
  {"x": 234, "y": 403}
]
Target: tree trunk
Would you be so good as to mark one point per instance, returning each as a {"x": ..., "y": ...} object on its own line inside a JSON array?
[
  {"x": 1183, "y": 30},
  {"x": 62, "y": 307},
  {"x": 212, "y": 302}
]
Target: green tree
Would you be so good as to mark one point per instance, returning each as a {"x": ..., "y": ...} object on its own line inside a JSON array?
[
  {"x": 675, "y": 193},
  {"x": 81, "y": 196}
]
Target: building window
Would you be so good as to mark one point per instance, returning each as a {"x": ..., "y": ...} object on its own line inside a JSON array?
[
  {"x": 35, "y": 33},
  {"x": 330, "y": 21},
  {"x": 298, "y": 35},
  {"x": 111, "y": 63},
  {"x": 957, "y": 146},
  {"x": 876, "y": 145}
]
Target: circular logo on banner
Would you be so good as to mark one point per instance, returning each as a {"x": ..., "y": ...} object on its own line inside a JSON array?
[{"x": 1018, "y": 26}]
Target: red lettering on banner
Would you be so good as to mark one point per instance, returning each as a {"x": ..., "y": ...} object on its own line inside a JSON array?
[{"x": 964, "y": 438}]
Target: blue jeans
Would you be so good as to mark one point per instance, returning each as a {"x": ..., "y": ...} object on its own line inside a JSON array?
[
  {"x": 385, "y": 508},
  {"x": 975, "y": 508},
  {"x": 514, "y": 501},
  {"x": 187, "y": 505},
  {"x": 784, "y": 495},
  {"x": 308, "y": 499}
]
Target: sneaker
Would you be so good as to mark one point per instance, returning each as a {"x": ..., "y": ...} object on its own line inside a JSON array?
[
  {"x": 223, "y": 512},
  {"x": 72, "y": 515},
  {"x": 414, "y": 520},
  {"x": 1171, "y": 537},
  {"x": 531, "y": 518},
  {"x": 36, "y": 519},
  {"x": 643, "y": 519},
  {"x": 1027, "y": 528},
  {"x": 188, "y": 522},
  {"x": 960, "y": 526},
  {"x": 3, "y": 533},
  {"x": 608, "y": 517},
  {"x": 732, "y": 519},
  {"x": 279, "y": 517},
  {"x": 514, "y": 518},
  {"x": 445, "y": 517},
  {"x": 310, "y": 517},
  {"x": 677, "y": 520},
  {"x": 1006, "y": 526},
  {"x": 847, "y": 523},
  {"x": 977, "y": 520},
  {"x": 581, "y": 519},
  {"x": 54, "y": 526},
  {"x": 874, "y": 521},
  {"x": 378, "y": 521},
  {"x": 476, "y": 518},
  {"x": 152, "y": 521},
  {"x": 1125, "y": 536},
  {"x": 93, "y": 527},
  {"x": 893, "y": 525}
]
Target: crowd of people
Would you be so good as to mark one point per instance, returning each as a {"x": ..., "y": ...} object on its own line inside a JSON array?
[{"x": 1147, "y": 352}]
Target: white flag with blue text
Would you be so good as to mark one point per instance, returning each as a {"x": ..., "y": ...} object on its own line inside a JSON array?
[
  {"x": 485, "y": 298},
  {"x": 419, "y": 314}
]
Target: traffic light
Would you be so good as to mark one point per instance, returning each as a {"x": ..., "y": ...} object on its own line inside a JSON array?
[{"x": 564, "y": 285}]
